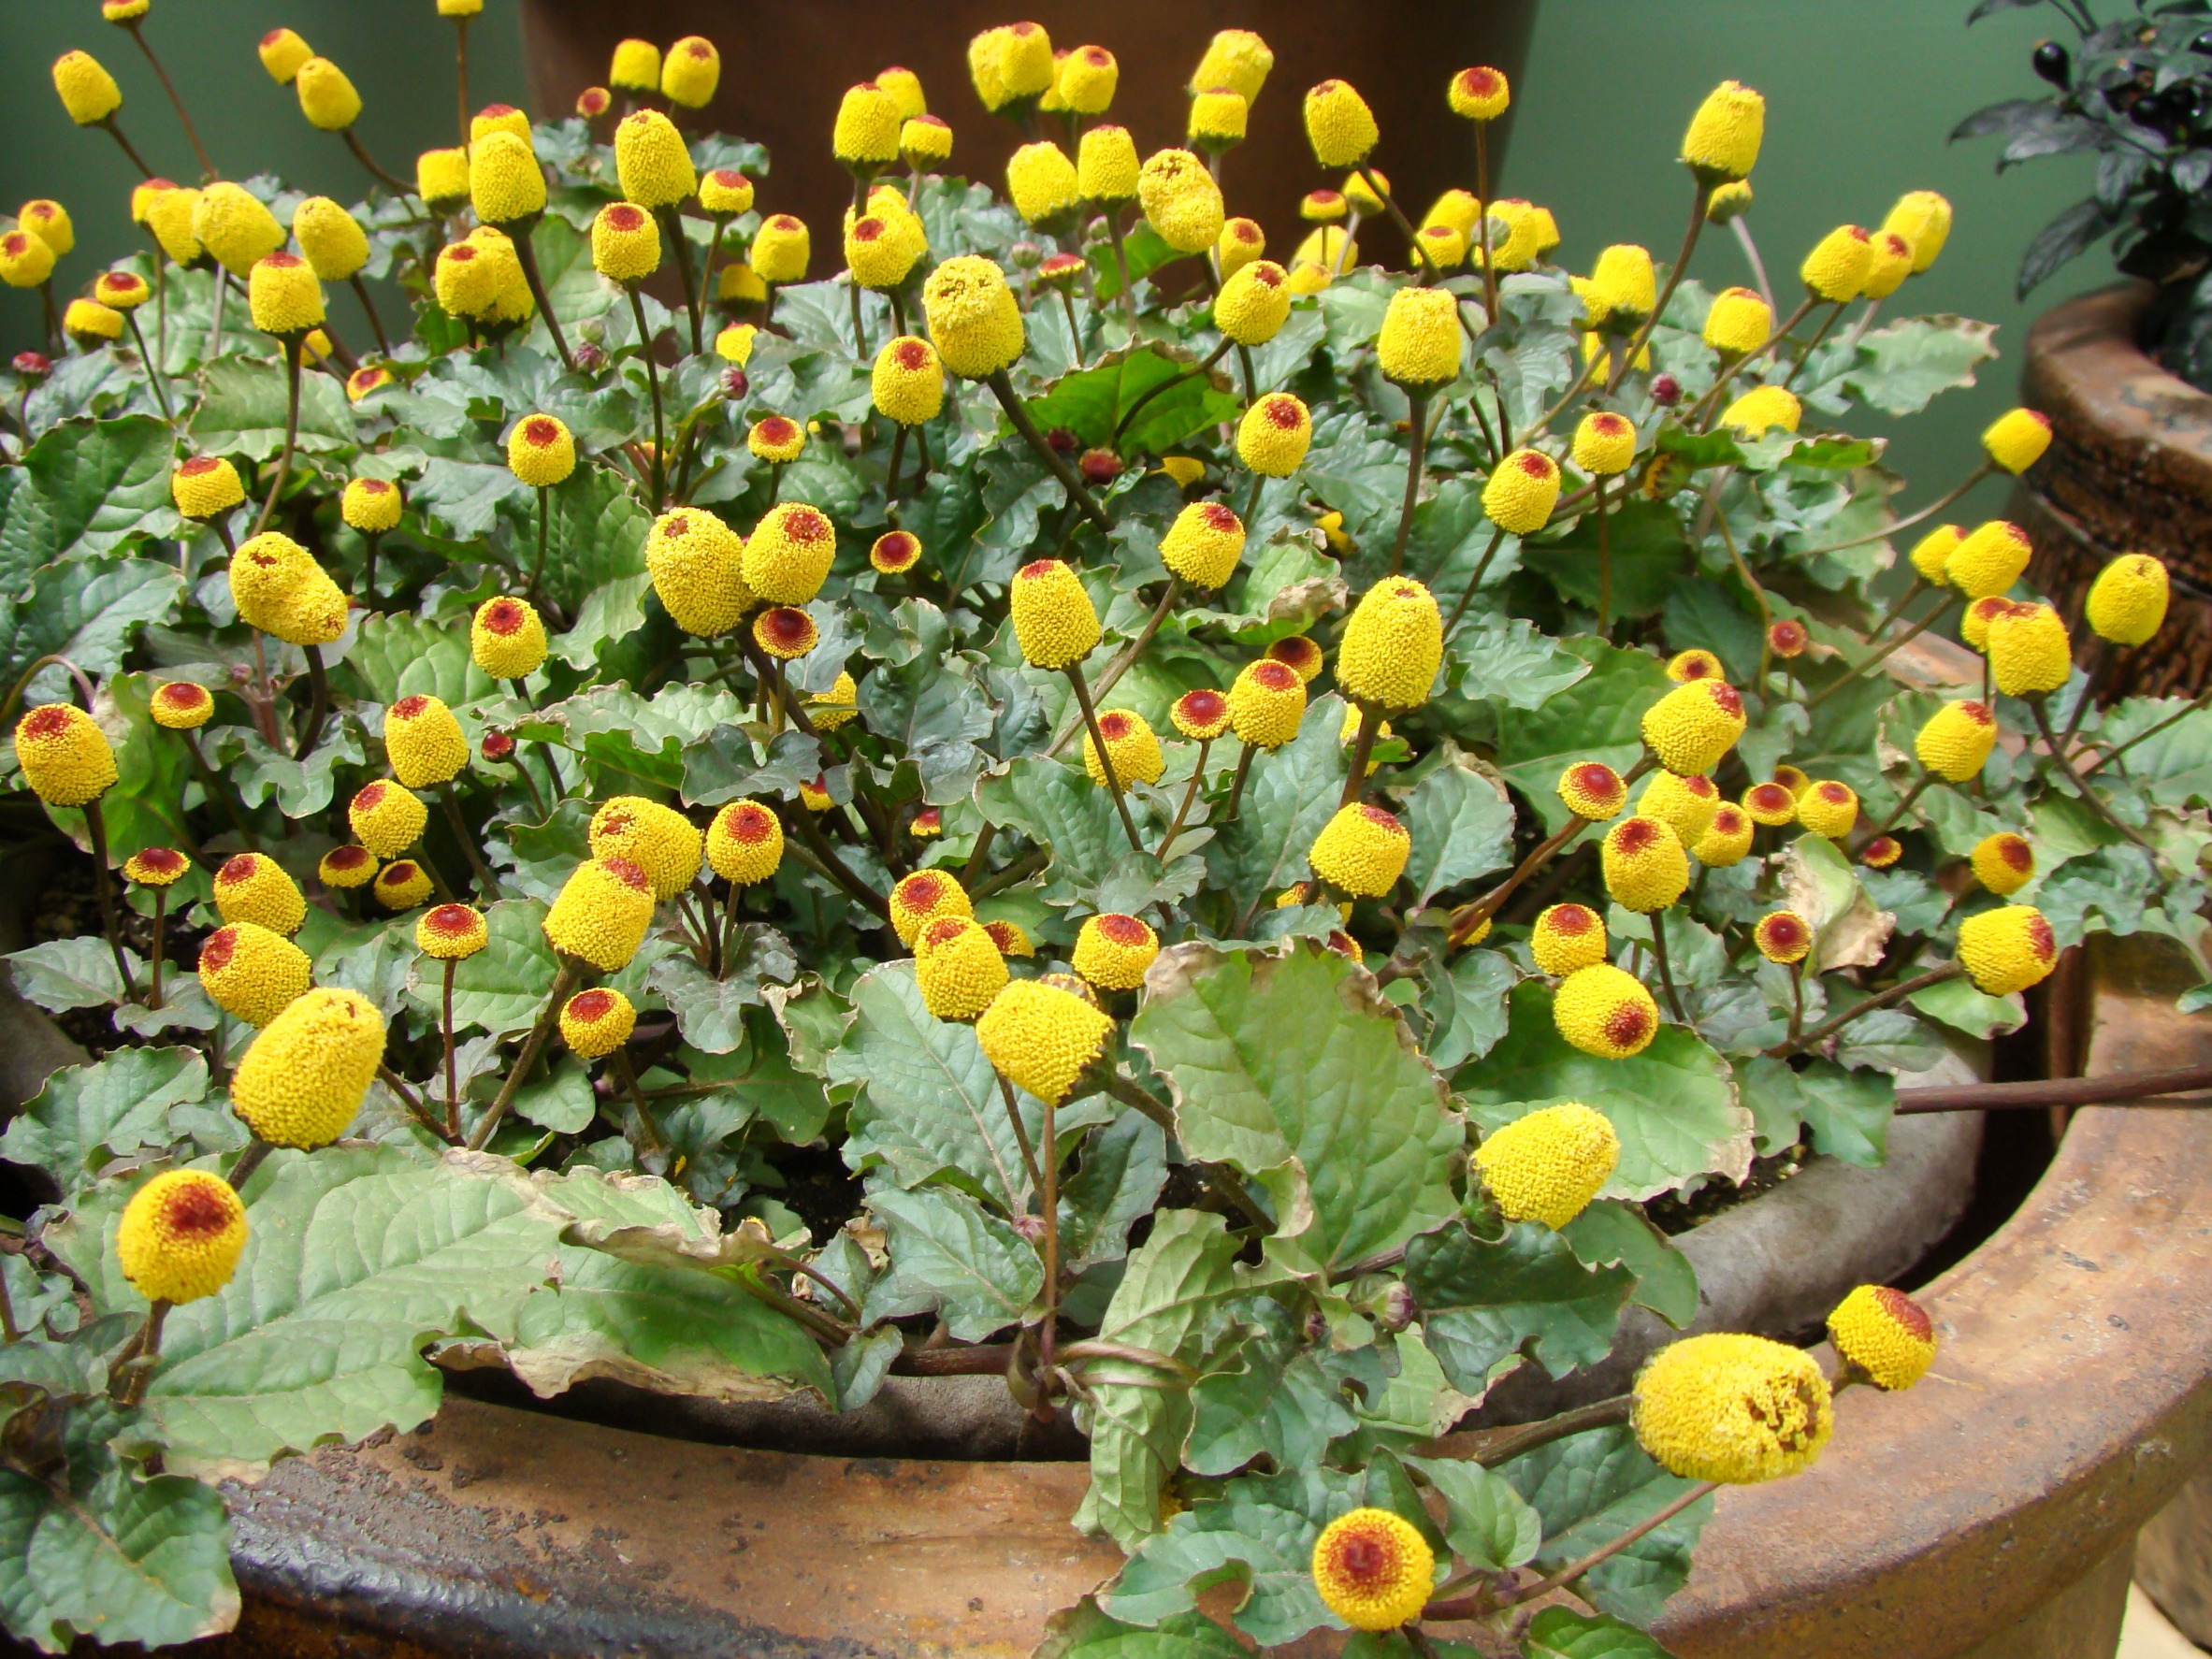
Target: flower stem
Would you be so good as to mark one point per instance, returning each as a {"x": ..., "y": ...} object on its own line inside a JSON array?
[
  {"x": 134, "y": 1367},
  {"x": 1106, "y": 759},
  {"x": 294, "y": 350},
  {"x": 397, "y": 186},
  {"x": 486, "y": 885},
  {"x": 1482, "y": 219},
  {"x": 1709, "y": 403},
  {"x": 1903, "y": 988},
  {"x": 1980, "y": 472},
  {"x": 538, "y": 564},
  {"x": 137, "y": 160},
  {"x": 563, "y": 983},
  {"x": 1898, "y": 812},
  {"x": 461, "y": 75},
  {"x": 1029, "y": 1153},
  {"x": 95, "y": 825},
  {"x": 453, "y": 1087},
  {"x": 1113, "y": 219},
  {"x": 2094, "y": 801},
  {"x": 1173, "y": 381},
  {"x": 318, "y": 683},
  {"x": 1902, "y": 640},
  {"x": 1751, "y": 257},
  {"x": 1613, "y": 1547},
  {"x": 2111, "y": 755},
  {"x": 1666, "y": 973},
  {"x": 637, "y": 310},
  {"x": 161, "y": 391},
  {"x": 1604, "y": 565},
  {"x": 1371, "y": 722},
  {"x": 1190, "y": 794},
  {"x": 1470, "y": 917},
  {"x": 1641, "y": 338},
  {"x": 1812, "y": 345},
  {"x": 1497, "y": 538},
  {"x": 1244, "y": 766},
  {"x": 161, "y": 906},
  {"x": 1002, "y": 389},
  {"x": 1416, "y": 453},
  {"x": 1796, "y": 1001},
  {"x": 527, "y": 252}
]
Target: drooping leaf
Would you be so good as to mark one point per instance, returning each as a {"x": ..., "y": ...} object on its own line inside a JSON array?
[
  {"x": 957, "y": 1257},
  {"x": 1489, "y": 1304},
  {"x": 87, "y": 1115},
  {"x": 1462, "y": 827}
]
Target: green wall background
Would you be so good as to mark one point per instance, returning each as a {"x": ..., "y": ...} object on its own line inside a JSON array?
[{"x": 1860, "y": 96}]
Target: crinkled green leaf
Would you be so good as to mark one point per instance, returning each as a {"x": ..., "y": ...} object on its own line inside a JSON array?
[{"x": 87, "y": 1115}]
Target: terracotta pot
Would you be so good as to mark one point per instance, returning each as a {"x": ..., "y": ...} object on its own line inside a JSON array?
[
  {"x": 785, "y": 66},
  {"x": 2130, "y": 471}
]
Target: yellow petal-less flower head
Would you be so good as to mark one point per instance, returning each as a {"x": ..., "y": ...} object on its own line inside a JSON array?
[
  {"x": 1253, "y": 304},
  {"x": 1480, "y": 94},
  {"x": 973, "y": 316},
  {"x": 1923, "y": 218},
  {"x": 400, "y": 885},
  {"x": 506, "y": 184},
  {"x": 1338, "y": 125},
  {"x": 282, "y": 54},
  {"x": 326, "y": 97},
  {"x": 1829, "y": 808},
  {"x": 1931, "y": 556},
  {"x": 1881, "y": 852},
  {"x": 1836, "y": 269},
  {"x": 1694, "y": 725},
  {"x": 786, "y": 632},
  {"x": 1547, "y": 1166},
  {"x": 878, "y": 252},
  {"x": 343, "y": 868},
  {"x": 925, "y": 141},
  {"x": 1418, "y": 348},
  {"x": 1087, "y": 80},
  {"x": 170, "y": 215},
  {"x": 1731, "y": 1408},
  {"x": 285, "y": 296},
  {"x": 2127, "y": 600},
  {"x": 252, "y": 973},
  {"x": 1740, "y": 321},
  {"x": 1645, "y": 866},
  {"x": 89, "y": 323},
  {"x": 1761, "y": 410},
  {"x": 1237, "y": 59},
  {"x": 1522, "y": 491},
  {"x": 1200, "y": 715},
  {"x": 1593, "y": 791},
  {"x": 725, "y": 193},
  {"x": 1624, "y": 285},
  {"x": 468, "y": 279},
  {"x": 87, "y": 90},
  {"x": 2007, "y": 949},
  {"x": 1241, "y": 242},
  {"x": 661, "y": 841},
  {"x": 1605, "y": 444},
  {"x": 507, "y": 638},
  {"x": 1973, "y": 627},
  {"x": 691, "y": 72},
  {"x": 958, "y": 967},
  {"x": 1792, "y": 779},
  {"x": 181, "y": 705},
  {"x": 924, "y": 897},
  {"x": 1272, "y": 437},
  {"x": 1685, "y": 805},
  {"x": 541, "y": 452},
  {"x": 1362, "y": 851},
  {"x": 424, "y": 740},
  {"x": 1990, "y": 560},
  {"x": 1132, "y": 747},
  {"x": 386, "y": 819},
  {"x": 1517, "y": 233},
  {"x": 49, "y": 221},
  {"x": 908, "y": 381},
  {"x": 734, "y": 344},
  {"x": 1055, "y": 620},
  {"x": 1772, "y": 804},
  {"x": 697, "y": 564},
  {"x": 2003, "y": 862},
  {"x": 1956, "y": 743},
  {"x": 498, "y": 118},
  {"x": 596, "y": 1023},
  {"x": 1217, "y": 120},
  {"x": 1723, "y": 140},
  {"x": 1885, "y": 1335},
  {"x": 1181, "y": 200},
  {"x": 652, "y": 161},
  {"x": 927, "y": 824},
  {"x": 1204, "y": 544},
  {"x": 1300, "y": 654},
  {"x": 1041, "y": 183},
  {"x": 1106, "y": 166},
  {"x": 789, "y": 553},
  {"x": 833, "y": 708},
  {"x": 1445, "y": 247},
  {"x": 601, "y": 913},
  {"x": 1566, "y": 938},
  {"x": 776, "y": 438},
  {"x": 442, "y": 178},
  {"x": 1113, "y": 951},
  {"x": 636, "y": 67},
  {"x": 1605, "y": 1012},
  {"x": 304, "y": 1077},
  {"x": 1891, "y": 263},
  {"x": 1458, "y": 210},
  {"x": 180, "y": 1235},
  {"x": 278, "y": 588},
  {"x": 867, "y": 136},
  {"x": 625, "y": 244},
  {"x": 1267, "y": 701},
  {"x": 64, "y": 756},
  {"x": 746, "y": 843},
  {"x": 371, "y": 505},
  {"x": 1011, "y": 939},
  {"x": 1324, "y": 207},
  {"x": 1697, "y": 663},
  {"x": 235, "y": 226},
  {"x": 1043, "y": 1038},
  {"x": 895, "y": 552},
  {"x": 2029, "y": 651},
  {"x": 1783, "y": 936},
  {"x": 332, "y": 238},
  {"x": 1373, "y": 1569},
  {"x": 1726, "y": 840},
  {"x": 451, "y": 932},
  {"x": 1393, "y": 644},
  {"x": 121, "y": 291}
]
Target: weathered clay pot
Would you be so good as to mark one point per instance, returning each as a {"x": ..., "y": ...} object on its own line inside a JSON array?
[
  {"x": 2130, "y": 471},
  {"x": 785, "y": 66}
]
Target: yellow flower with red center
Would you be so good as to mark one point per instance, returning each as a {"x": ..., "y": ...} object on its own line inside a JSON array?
[
  {"x": 1723, "y": 137},
  {"x": 1931, "y": 557},
  {"x": 601, "y": 913},
  {"x": 691, "y": 72},
  {"x": 1087, "y": 80},
  {"x": 2016, "y": 439},
  {"x": 972, "y": 317},
  {"x": 283, "y": 52},
  {"x": 1324, "y": 207},
  {"x": 156, "y": 866},
  {"x": 1201, "y": 715},
  {"x": 181, "y": 705},
  {"x": 1957, "y": 740},
  {"x": 1782, "y": 936},
  {"x": 180, "y": 1235},
  {"x": 254, "y": 888},
  {"x": 725, "y": 193},
  {"x": 1010, "y": 939},
  {"x": 865, "y": 138},
  {"x": 1990, "y": 560},
  {"x": 1687, "y": 805},
  {"x": 1566, "y": 938},
  {"x": 506, "y": 185},
  {"x": 424, "y": 740},
  {"x": 1739, "y": 323},
  {"x": 386, "y": 819},
  {"x": 343, "y": 868},
  {"x": 1419, "y": 347},
  {"x": 1480, "y": 94},
  {"x": 1605, "y": 1012},
  {"x": 1113, "y": 951},
  {"x": 1881, "y": 852},
  {"x": 909, "y": 380},
  {"x": 1644, "y": 864},
  {"x": 1923, "y": 218},
  {"x": 895, "y": 552},
  {"x": 1522, "y": 491},
  {"x": 1362, "y": 851},
  {"x": 1131, "y": 747},
  {"x": 1973, "y": 627},
  {"x": 745, "y": 843},
  {"x": 451, "y": 932},
  {"x": 1731, "y": 1408},
  {"x": 252, "y": 973},
  {"x": 1829, "y": 808},
  {"x": 1253, "y": 304},
  {"x": 2003, "y": 862},
  {"x": 1274, "y": 436},
  {"x": 625, "y": 245},
  {"x": 303, "y": 1078},
  {"x": 1241, "y": 243},
  {"x": 1885, "y": 1335},
  {"x": 786, "y": 632},
  {"x": 89, "y": 323},
  {"x": 925, "y": 141},
  {"x": 596, "y": 1023},
  {"x": 507, "y": 638},
  {"x": 1726, "y": 840},
  {"x": 1106, "y": 165},
  {"x": 2029, "y": 652},
  {"x": 1055, "y": 620},
  {"x": 928, "y": 823},
  {"x": 371, "y": 505},
  {"x": 206, "y": 487},
  {"x": 278, "y": 588},
  {"x": 326, "y": 97},
  {"x": 1605, "y": 444},
  {"x": 1691, "y": 727},
  {"x": 2127, "y": 603},
  {"x": 64, "y": 756},
  {"x": 789, "y": 553},
  {"x": 1204, "y": 544},
  {"x": 1891, "y": 263},
  {"x": 1547, "y": 1166},
  {"x": 658, "y": 839},
  {"x": 594, "y": 102},
  {"x": 1338, "y": 125},
  {"x": 364, "y": 381},
  {"x": 1593, "y": 791},
  {"x": 1761, "y": 410},
  {"x": 1836, "y": 269},
  {"x": 1267, "y": 701},
  {"x": 1043, "y": 1038},
  {"x": 924, "y": 897},
  {"x": 776, "y": 438},
  {"x": 878, "y": 252},
  {"x": 2007, "y": 949},
  {"x": 1301, "y": 654},
  {"x": 1373, "y": 1569},
  {"x": 1697, "y": 663},
  {"x": 958, "y": 967},
  {"x": 400, "y": 885}
]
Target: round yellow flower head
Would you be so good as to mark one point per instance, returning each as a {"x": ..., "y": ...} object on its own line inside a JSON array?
[
  {"x": 1885, "y": 1335},
  {"x": 958, "y": 967},
  {"x": 745, "y": 843},
  {"x": 1792, "y": 779},
  {"x": 1460, "y": 211},
  {"x": 278, "y": 588},
  {"x": 1478, "y": 94},
  {"x": 1106, "y": 167},
  {"x": 1420, "y": 344},
  {"x": 925, "y": 141},
  {"x": 234, "y": 225},
  {"x": 180, "y": 1235},
  {"x": 2127, "y": 600},
  {"x": 1891, "y": 263},
  {"x": 594, "y": 102},
  {"x": 895, "y": 552},
  {"x": 1517, "y": 232},
  {"x": 1645, "y": 866},
  {"x": 283, "y": 52},
  {"x": 1593, "y": 791},
  {"x": 1697, "y": 663},
  {"x": 332, "y": 240},
  {"x": 1254, "y": 303},
  {"x": 541, "y": 452},
  {"x": 776, "y": 438},
  {"x": 1726, "y": 840},
  {"x": 1522, "y": 491},
  {"x": 833, "y": 708},
  {"x": 924, "y": 897},
  {"x": 1836, "y": 269},
  {"x": 1605, "y": 444},
  {"x": 1729, "y": 202},
  {"x": 1723, "y": 140},
  {"x": 1881, "y": 852},
  {"x": 725, "y": 193},
  {"x": 973, "y": 316},
  {"x": 1923, "y": 218},
  {"x": 652, "y": 160},
  {"x": 636, "y": 67},
  {"x": 168, "y": 215},
  {"x": 252, "y": 974},
  {"x": 1990, "y": 560},
  {"x": 1731, "y": 1408},
  {"x": 1694, "y": 725},
  {"x": 734, "y": 344},
  {"x": 1761, "y": 410},
  {"x": 1010, "y": 939},
  {"x": 469, "y": 279},
  {"x": 326, "y": 97},
  {"x": 1393, "y": 644},
  {"x": 181, "y": 705},
  {"x": 344, "y": 868},
  {"x": 1624, "y": 285},
  {"x": 424, "y": 740},
  {"x": 1181, "y": 200},
  {"x": 285, "y": 296},
  {"x": 904, "y": 87},
  {"x": 371, "y": 505},
  {"x": 1782, "y": 936},
  {"x": 1241, "y": 243},
  {"x": 451, "y": 932},
  {"x": 1041, "y": 183},
  {"x": 1274, "y": 435},
  {"x": 1338, "y": 125},
  {"x": 1130, "y": 745},
  {"x": 1237, "y": 59},
  {"x": 1605, "y": 1012},
  {"x": 1217, "y": 118},
  {"x": 2007, "y": 949},
  {"x": 657, "y": 839},
  {"x": 1043, "y": 1038},
  {"x": 1204, "y": 544},
  {"x": 867, "y": 136},
  {"x": 1373, "y": 1569},
  {"x": 507, "y": 638},
  {"x": 1739, "y": 321},
  {"x": 1113, "y": 951},
  {"x": 49, "y": 221},
  {"x": 505, "y": 183},
  {"x": 64, "y": 756},
  {"x": 304, "y": 1077},
  {"x": 879, "y": 253},
  {"x": 2029, "y": 651},
  {"x": 625, "y": 245},
  {"x": 601, "y": 913},
  {"x": 442, "y": 178},
  {"x": 1301, "y": 654},
  {"x": 1267, "y": 701},
  {"x": 1932, "y": 555},
  {"x": 386, "y": 819},
  {"x": 1362, "y": 851},
  {"x": 1546, "y": 1167},
  {"x": 786, "y": 632},
  {"x": 1566, "y": 938},
  {"x": 909, "y": 380},
  {"x": 1829, "y": 808},
  {"x": 1055, "y": 620},
  {"x": 691, "y": 72},
  {"x": 1773, "y": 804},
  {"x": 1685, "y": 805},
  {"x": 789, "y": 553},
  {"x": 1445, "y": 247},
  {"x": 88, "y": 91},
  {"x": 1324, "y": 207},
  {"x": 2003, "y": 862},
  {"x": 88, "y": 323},
  {"x": 121, "y": 291},
  {"x": 1955, "y": 743},
  {"x": 1201, "y": 715},
  {"x": 1973, "y": 628}
]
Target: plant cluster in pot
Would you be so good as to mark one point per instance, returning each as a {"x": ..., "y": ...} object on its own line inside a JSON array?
[{"x": 923, "y": 822}]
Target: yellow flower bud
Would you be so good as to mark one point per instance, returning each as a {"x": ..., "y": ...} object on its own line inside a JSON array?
[
  {"x": 181, "y": 705},
  {"x": 1773, "y": 804},
  {"x": 451, "y": 932},
  {"x": 725, "y": 193},
  {"x": 776, "y": 439},
  {"x": 734, "y": 344},
  {"x": 371, "y": 505},
  {"x": 235, "y": 226},
  {"x": 1973, "y": 628},
  {"x": 344, "y": 868},
  {"x": 1444, "y": 247},
  {"x": 1884, "y": 1335},
  {"x": 658, "y": 839},
  {"x": 1548, "y": 1165},
  {"x": 1829, "y": 808},
  {"x": 285, "y": 296},
  {"x": 652, "y": 161},
  {"x": 121, "y": 291},
  {"x": 326, "y": 97},
  {"x": 904, "y": 87},
  {"x": 1253, "y": 304},
  {"x": 1605, "y": 444},
  {"x": 1566, "y": 938},
  {"x": 1524, "y": 227},
  {"x": 507, "y": 638},
  {"x": 1373, "y": 1569},
  {"x": 1685, "y": 805},
  {"x": 1267, "y": 701},
  {"x": 400, "y": 885},
  {"x": 1955, "y": 743},
  {"x": 1393, "y": 644},
  {"x": 88, "y": 322},
  {"x": 636, "y": 67},
  {"x": 1644, "y": 864},
  {"x": 1990, "y": 560},
  {"x": 282, "y": 54},
  {"x": 1201, "y": 715},
  {"x": 1836, "y": 269},
  {"x": 925, "y": 141},
  {"x": 1106, "y": 169},
  {"x": 958, "y": 967},
  {"x": 2007, "y": 949},
  {"x": 505, "y": 181},
  {"x": 601, "y": 913},
  {"x": 1113, "y": 951},
  {"x": 88, "y": 91},
  {"x": 746, "y": 843},
  {"x": 1692, "y": 726},
  {"x": 1890, "y": 264},
  {"x": 1593, "y": 791},
  {"x": 1362, "y": 851},
  {"x": 866, "y": 136},
  {"x": 833, "y": 708},
  {"x": 1932, "y": 555},
  {"x": 541, "y": 452},
  {"x": 1241, "y": 243},
  {"x": 690, "y": 76},
  {"x": 2127, "y": 600},
  {"x": 1237, "y": 59},
  {"x": 1042, "y": 1038},
  {"x": 924, "y": 897},
  {"x": 386, "y": 819},
  {"x": 64, "y": 755},
  {"x": 878, "y": 252},
  {"x": 2029, "y": 651},
  {"x": 1729, "y": 202},
  {"x": 1624, "y": 284},
  {"x": 594, "y": 1023},
  {"x": 2003, "y": 862},
  {"x": 1733, "y": 1409},
  {"x": 1217, "y": 120},
  {"x": 333, "y": 241},
  {"x": 697, "y": 563},
  {"x": 1055, "y": 620},
  {"x": 304, "y": 1077},
  {"x": 48, "y": 220},
  {"x": 278, "y": 588},
  {"x": 1204, "y": 544},
  {"x": 252, "y": 973},
  {"x": 424, "y": 740},
  {"x": 1301, "y": 655},
  {"x": 156, "y": 866},
  {"x": 624, "y": 246},
  {"x": 1130, "y": 745},
  {"x": 972, "y": 317},
  {"x": 1738, "y": 323},
  {"x": 1420, "y": 344},
  {"x": 1041, "y": 183},
  {"x": 1762, "y": 408},
  {"x": 1783, "y": 936},
  {"x": 895, "y": 552},
  {"x": 442, "y": 178},
  {"x": 180, "y": 1235},
  {"x": 1723, "y": 140},
  {"x": 2015, "y": 440},
  {"x": 1181, "y": 200},
  {"x": 1923, "y": 218},
  {"x": 1522, "y": 491},
  {"x": 1697, "y": 663},
  {"x": 789, "y": 553},
  {"x": 786, "y": 632},
  {"x": 1274, "y": 435},
  {"x": 1478, "y": 94},
  {"x": 1726, "y": 840},
  {"x": 1338, "y": 125}
]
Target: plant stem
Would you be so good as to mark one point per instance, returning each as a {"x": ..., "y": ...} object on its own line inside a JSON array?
[
  {"x": 1698, "y": 201},
  {"x": 1812, "y": 345},
  {"x": 1428, "y": 267},
  {"x": 527, "y": 252},
  {"x": 1902, "y": 640},
  {"x": 1613, "y": 1547},
  {"x": 1665, "y": 974},
  {"x": 207, "y": 167},
  {"x": 1796, "y": 1001},
  {"x": 829, "y": 864},
  {"x": 134, "y": 1367},
  {"x": 1173, "y": 381},
  {"x": 1244, "y": 766},
  {"x": 1493, "y": 1446},
  {"x": 1371, "y": 722},
  {"x": 637, "y": 310},
  {"x": 95, "y": 826},
  {"x": 706, "y": 276},
  {"x": 1482, "y": 219},
  {"x": 161, "y": 902},
  {"x": 2111, "y": 755},
  {"x": 1497, "y": 536},
  {"x": 563, "y": 983},
  {"x": 1706, "y": 405},
  {"x": 1046, "y": 1334},
  {"x": 890, "y": 477},
  {"x": 397, "y": 186},
  {"x": 1002, "y": 389},
  {"x": 294, "y": 350},
  {"x": 1190, "y": 794},
  {"x": 137, "y": 160},
  {"x": 1604, "y": 565},
  {"x": 1029, "y": 1153},
  {"x": 486, "y": 885},
  {"x": 2040, "y": 703},
  {"x": 1759, "y": 598},
  {"x": 1905, "y": 805},
  {"x": 1980, "y": 472},
  {"x": 1106, "y": 759},
  {"x": 453, "y": 1087},
  {"x": 461, "y": 77},
  {"x": 652, "y": 1147},
  {"x": 1415, "y": 454},
  {"x": 1751, "y": 256},
  {"x": 1904, "y": 987},
  {"x": 2114, "y": 1089},
  {"x": 318, "y": 683},
  {"x": 161, "y": 391},
  {"x": 538, "y": 564},
  {"x": 2089, "y": 691},
  {"x": 1467, "y": 920}
]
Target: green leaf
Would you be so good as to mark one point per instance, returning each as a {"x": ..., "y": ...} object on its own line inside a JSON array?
[
  {"x": 1598, "y": 718},
  {"x": 118, "y": 1559},
  {"x": 1288, "y": 797},
  {"x": 1144, "y": 249},
  {"x": 967, "y": 1263},
  {"x": 1124, "y": 1165},
  {"x": 85, "y": 488},
  {"x": 1610, "y": 1232},
  {"x": 1466, "y": 1002},
  {"x": 1485, "y": 1521},
  {"x": 1281, "y": 589},
  {"x": 1846, "y": 1112},
  {"x": 1462, "y": 827},
  {"x": 709, "y": 1012},
  {"x": 559, "y": 1100},
  {"x": 1904, "y": 365},
  {"x": 596, "y": 536},
  {"x": 463, "y": 497},
  {"x": 1955, "y": 1003},
  {"x": 1093, "y": 402},
  {"x": 1590, "y": 1487},
  {"x": 1292, "y": 1066},
  {"x": 632, "y": 744},
  {"x": 1674, "y": 1106},
  {"x": 1284, "y": 1401},
  {"x": 502, "y": 988},
  {"x": 1651, "y": 557},
  {"x": 1059, "y": 808},
  {"x": 242, "y": 411},
  {"x": 1561, "y": 1633},
  {"x": 86, "y": 610},
  {"x": 400, "y": 654},
  {"x": 87, "y": 1115},
  {"x": 74, "y": 973},
  {"x": 1487, "y": 1305},
  {"x": 1507, "y": 659},
  {"x": 1083, "y": 1632}
]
